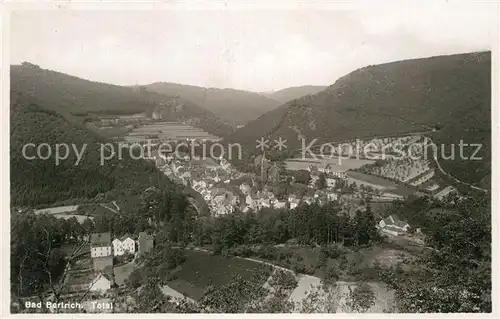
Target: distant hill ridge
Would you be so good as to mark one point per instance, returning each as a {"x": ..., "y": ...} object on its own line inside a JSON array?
[
  {"x": 234, "y": 106},
  {"x": 292, "y": 93},
  {"x": 73, "y": 96}
]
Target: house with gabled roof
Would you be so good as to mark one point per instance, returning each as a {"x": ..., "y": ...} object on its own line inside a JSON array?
[
  {"x": 100, "y": 245},
  {"x": 393, "y": 225},
  {"x": 123, "y": 244}
]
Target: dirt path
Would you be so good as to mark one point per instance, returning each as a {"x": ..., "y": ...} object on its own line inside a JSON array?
[
  {"x": 436, "y": 160},
  {"x": 111, "y": 209},
  {"x": 306, "y": 284}
]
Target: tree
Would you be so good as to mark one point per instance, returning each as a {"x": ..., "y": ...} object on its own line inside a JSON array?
[
  {"x": 455, "y": 275},
  {"x": 321, "y": 299},
  {"x": 361, "y": 298},
  {"x": 39, "y": 265},
  {"x": 364, "y": 223}
]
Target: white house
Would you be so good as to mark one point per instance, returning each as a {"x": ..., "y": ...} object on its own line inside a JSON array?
[
  {"x": 294, "y": 203},
  {"x": 101, "y": 283},
  {"x": 393, "y": 225},
  {"x": 123, "y": 245},
  {"x": 265, "y": 203},
  {"x": 100, "y": 245},
  {"x": 330, "y": 182},
  {"x": 279, "y": 204}
]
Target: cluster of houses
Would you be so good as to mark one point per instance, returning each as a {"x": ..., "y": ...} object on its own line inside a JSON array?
[
  {"x": 215, "y": 181},
  {"x": 102, "y": 251},
  {"x": 208, "y": 177}
]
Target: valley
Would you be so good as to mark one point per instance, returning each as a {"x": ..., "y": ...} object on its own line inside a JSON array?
[{"x": 372, "y": 221}]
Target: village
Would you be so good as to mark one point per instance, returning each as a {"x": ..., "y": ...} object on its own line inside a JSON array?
[{"x": 226, "y": 190}]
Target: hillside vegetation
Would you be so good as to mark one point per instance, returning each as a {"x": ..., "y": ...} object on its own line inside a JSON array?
[
  {"x": 38, "y": 182},
  {"x": 234, "y": 106},
  {"x": 449, "y": 93},
  {"x": 73, "y": 96}
]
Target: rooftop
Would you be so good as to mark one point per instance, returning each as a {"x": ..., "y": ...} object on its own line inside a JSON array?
[
  {"x": 122, "y": 238},
  {"x": 395, "y": 221},
  {"x": 100, "y": 239},
  {"x": 145, "y": 236}
]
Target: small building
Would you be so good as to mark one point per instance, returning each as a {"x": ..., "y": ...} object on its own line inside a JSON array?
[
  {"x": 146, "y": 242},
  {"x": 393, "y": 225},
  {"x": 102, "y": 282},
  {"x": 294, "y": 203},
  {"x": 332, "y": 196},
  {"x": 100, "y": 245},
  {"x": 279, "y": 204},
  {"x": 442, "y": 194},
  {"x": 124, "y": 244}
]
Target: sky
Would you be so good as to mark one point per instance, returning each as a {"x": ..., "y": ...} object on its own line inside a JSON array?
[{"x": 256, "y": 50}]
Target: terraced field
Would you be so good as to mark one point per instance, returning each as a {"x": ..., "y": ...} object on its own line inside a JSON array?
[{"x": 167, "y": 131}]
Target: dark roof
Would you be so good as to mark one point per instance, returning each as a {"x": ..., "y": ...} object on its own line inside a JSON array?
[
  {"x": 122, "y": 238},
  {"x": 106, "y": 273},
  {"x": 100, "y": 239},
  {"x": 145, "y": 236}
]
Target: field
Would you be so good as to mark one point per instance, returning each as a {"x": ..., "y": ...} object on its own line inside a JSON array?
[
  {"x": 57, "y": 210},
  {"x": 167, "y": 131},
  {"x": 65, "y": 212},
  {"x": 380, "y": 183},
  {"x": 94, "y": 210},
  {"x": 202, "y": 269},
  {"x": 337, "y": 164}
]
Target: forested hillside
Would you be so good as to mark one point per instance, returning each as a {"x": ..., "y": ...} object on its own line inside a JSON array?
[
  {"x": 234, "y": 106},
  {"x": 451, "y": 94},
  {"x": 37, "y": 181},
  {"x": 78, "y": 97}
]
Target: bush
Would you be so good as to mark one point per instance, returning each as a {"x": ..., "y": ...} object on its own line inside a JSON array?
[
  {"x": 175, "y": 258},
  {"x": 267, "y": 252},
  {"x": 343, "y": 263},
  {"x": 283, "y": 280},
  {"x": 299, "y": 267}
]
